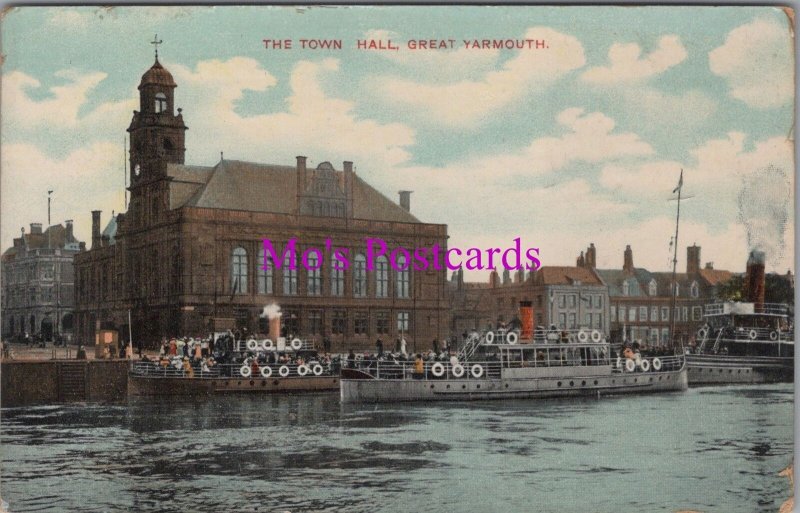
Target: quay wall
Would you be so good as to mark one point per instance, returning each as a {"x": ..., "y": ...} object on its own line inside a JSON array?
[{"x": 26, "y": 383}]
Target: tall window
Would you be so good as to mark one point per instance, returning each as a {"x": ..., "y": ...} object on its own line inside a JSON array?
[
  {"x": 572, "y": 321},
  {"x": 664, "y": 313},
  {"x": 632, "y": 314},
  {"x": 613, "y": 313},
  {"x": 360, "y": 323},
  {"x": 654, "y": 313},
  {"x": 339, "y": 322},
  {"x": 403, "y": 277},
  {"x": 314, "y": 275},
  {"x": 402, "y": 322},
  {"x": 337, "y": 281},
  {"x": 360, "y": 276},
  {"x": 161, "y": 103},
  {"x": 382, "y": 323},
  {"x": 289, "y": 276},
  {"x": 264, "y": 275},
  {"x": 625, "y": 288},
  {"x": 652, "y": 288},
  {"x": 315, "y": 322},
  {"x": 382, "y": 277},
  {"x": 562, "y": 321},
  {"x": 642, "y": 313},
  {"x": 239, "y": 271}
]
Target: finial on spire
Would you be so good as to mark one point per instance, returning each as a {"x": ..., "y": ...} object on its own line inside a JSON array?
[{"x": 155, "y": 42}]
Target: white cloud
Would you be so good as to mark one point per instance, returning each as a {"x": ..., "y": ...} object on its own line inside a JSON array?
[
  {"x": 314, "y": 124},
  {"x": 715, "y": 177},
  {"x": 467, "y": 102},
  {"x": 756, "y": 60},
  {"x": 626, "y": 63},
  {"x": 87, "y": 179}
]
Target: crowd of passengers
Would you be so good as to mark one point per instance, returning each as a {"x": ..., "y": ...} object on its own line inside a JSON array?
[{"x": 191, "y": 356}]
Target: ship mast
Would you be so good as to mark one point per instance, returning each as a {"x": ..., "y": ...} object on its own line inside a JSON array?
[{"x": 675, "y": 264}]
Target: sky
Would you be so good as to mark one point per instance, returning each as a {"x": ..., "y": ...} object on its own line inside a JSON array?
[{"x": 579, "y": 142}]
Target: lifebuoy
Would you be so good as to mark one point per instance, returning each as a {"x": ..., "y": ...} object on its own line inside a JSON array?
[
  {"x": 773, "y": 335},
  {"x": 252, "y": 345},
  {"x": 645, "y": 365},
  {"x": 318, "y": 370},
  {"x": 266, "y": 372},
  {"x": 582, "y": 336},
  {"x": 489, "y": 337},
  {"x": 297, "y": 344},
  {"x": 283, "y": 371},
  {"x": 656, "y": 364},
  {"x": 630, "y": 365},
  {"x": 267, "y": 344},
  {"x": 753, "y": 334},
  {"x": 245, "y": 371},
  {"x": 437, "y": 370},
  {"x": 702, "y": 333},
  {"x": 476, "y": 370},
  {"x": 458, "y": 370},
  {"x": 512, "y": 337},
  {"x": 596, "y": 336},
  {"x": 302, "y": 370}
]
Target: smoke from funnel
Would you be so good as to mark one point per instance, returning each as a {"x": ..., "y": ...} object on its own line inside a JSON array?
[
  {"x": 764, "y": 211},
  {"x": 271, "y": 311}
]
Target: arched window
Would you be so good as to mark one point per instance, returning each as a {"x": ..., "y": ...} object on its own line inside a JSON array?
[
  {"x": 239, "y": 271},
  {"x": 403, "y": 277},
  {"x": 289, "y": 276},
  {"x": 695, "y": 289},
  {"x": 652, "y": 288},
  {"x": 265, "y": 270},
  {"x": 381, "y": 277},
  {"x": 314, "y": 275},
  {"x": 161, "y": 103},
  {"x": 337, "y": 281},
  {"x": 360, "y": 276}
]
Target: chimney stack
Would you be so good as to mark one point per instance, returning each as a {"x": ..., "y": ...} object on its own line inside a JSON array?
[
  {"x": 405, "y": 200},
  {"x": 506, "y": 276},
  {"x": 526, "y": 320},
  {"x": 36, "y": 228},
  {"x": 580, "y": 262},
  {"x": 519, "y": 276},
  {"x": 755, "y": 279},
  {"x": 627, "y": 266},
  {"x": 301, "y": 177},
  {"x": 494, "y": 279},
  {"x": 692, "y": 259},
  {"x": 96, "y": 228},
  {"x": 591, "y": 256},
  {"x": 460, "y": 278},
  {"x": 70, "y": 236}
]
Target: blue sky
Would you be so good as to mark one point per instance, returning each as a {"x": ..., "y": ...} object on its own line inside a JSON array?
[{"x": 577, "y": 143}]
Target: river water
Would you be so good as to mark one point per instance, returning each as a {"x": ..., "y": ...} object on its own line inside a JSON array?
[{"x": 709, "y": 449}]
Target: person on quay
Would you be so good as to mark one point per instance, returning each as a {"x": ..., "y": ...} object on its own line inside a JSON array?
[
  {"x": 379, "y": 347},
  {"x": 173, "y": 347},
  {"x": 198, "y": 351},
  {"x": 351, "y": 359},
  {"x": 435, "y": 346},
  {"x": 81, "y": 354},
  {"x": 254, "y": 368}
]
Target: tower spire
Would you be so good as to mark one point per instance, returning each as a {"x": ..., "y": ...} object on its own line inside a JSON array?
[{"x": 155, "y": 42}]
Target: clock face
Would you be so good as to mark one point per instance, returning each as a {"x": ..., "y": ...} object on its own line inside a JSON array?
[{"x": 137, "y": 170}]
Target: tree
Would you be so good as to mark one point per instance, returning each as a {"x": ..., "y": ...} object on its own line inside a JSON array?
[{"x": 777, "y": 289}]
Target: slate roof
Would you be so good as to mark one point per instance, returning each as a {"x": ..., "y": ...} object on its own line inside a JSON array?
[
  {"x": 554, "y": 275},
  {"x": 254, "y": 187}
]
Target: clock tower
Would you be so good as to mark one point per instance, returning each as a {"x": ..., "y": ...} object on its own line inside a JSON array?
[{"x": 157, "y": 137}]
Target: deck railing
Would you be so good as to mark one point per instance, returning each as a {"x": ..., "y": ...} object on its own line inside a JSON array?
[{"x": 235, "y": 370}]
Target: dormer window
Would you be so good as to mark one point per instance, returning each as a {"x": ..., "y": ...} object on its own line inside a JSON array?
[
  {"x": 625, "y": 288},
  {"x": 161, "y": 103},
  {"x": 652, "y": 288},
  {"x": 695, "y": 291}
]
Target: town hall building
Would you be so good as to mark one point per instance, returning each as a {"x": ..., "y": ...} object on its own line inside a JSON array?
[{"x": 187, "y": 257}]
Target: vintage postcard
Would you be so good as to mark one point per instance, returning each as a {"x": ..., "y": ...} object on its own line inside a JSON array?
[{"x": 397, "y": 259}]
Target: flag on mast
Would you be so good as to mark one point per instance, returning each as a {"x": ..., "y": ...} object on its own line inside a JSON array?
[{"x": 680, "y": 183}]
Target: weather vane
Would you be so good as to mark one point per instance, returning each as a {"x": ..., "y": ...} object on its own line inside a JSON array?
[{"x": 155, "y": 42}]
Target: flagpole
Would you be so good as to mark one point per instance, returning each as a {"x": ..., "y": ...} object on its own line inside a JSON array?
[{"x": 675, "y": 264}]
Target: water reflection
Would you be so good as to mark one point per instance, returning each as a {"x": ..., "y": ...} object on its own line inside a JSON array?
[{"x": 708, "y": 449}]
